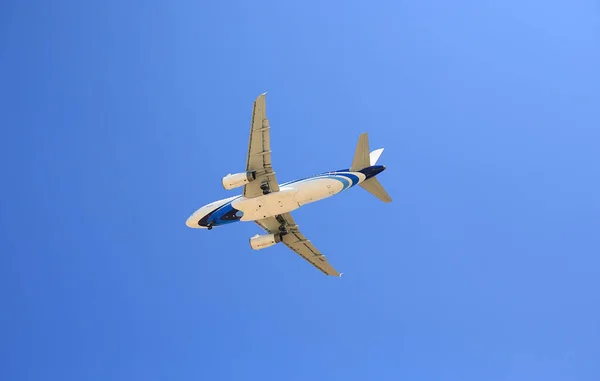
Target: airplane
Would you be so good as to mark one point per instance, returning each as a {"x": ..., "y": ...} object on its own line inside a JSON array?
[{"x": 268, "y": 203}]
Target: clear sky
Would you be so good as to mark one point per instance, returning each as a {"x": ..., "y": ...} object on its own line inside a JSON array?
[{"x": 118, "y": 119}]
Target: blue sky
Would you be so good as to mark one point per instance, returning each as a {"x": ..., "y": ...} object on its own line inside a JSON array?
[{"x": 120, "y": 118}]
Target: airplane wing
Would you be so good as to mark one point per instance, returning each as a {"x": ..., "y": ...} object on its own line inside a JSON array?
[
  {"x": 296, "y": 241},
  {"x": 259, "y": 152}
]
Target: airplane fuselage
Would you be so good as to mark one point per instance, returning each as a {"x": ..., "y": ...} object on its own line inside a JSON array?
[{"x": 291, "y": 196}]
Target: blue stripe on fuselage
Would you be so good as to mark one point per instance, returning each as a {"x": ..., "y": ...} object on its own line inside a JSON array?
[
  {"x": 224, "y": 214},
  {"x": 338, "y": 175}
]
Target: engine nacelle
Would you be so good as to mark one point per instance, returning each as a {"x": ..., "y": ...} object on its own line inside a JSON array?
[
  {"x": 263, "y": 241},
  {"x": 238, "y": 179}
]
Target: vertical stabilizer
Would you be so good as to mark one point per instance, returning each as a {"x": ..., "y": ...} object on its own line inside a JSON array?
[{"x": 374, "y": 156}]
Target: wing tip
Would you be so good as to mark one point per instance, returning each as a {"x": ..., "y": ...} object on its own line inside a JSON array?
[{"x": 261, "y": 96}]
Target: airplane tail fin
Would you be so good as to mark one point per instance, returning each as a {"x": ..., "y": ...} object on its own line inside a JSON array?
[
  {"x": 374, "y": 156},
  {"x": 363, "y": 159}
]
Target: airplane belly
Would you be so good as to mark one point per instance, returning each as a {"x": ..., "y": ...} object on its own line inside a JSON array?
[
  {"x": 317, "y": 189},
  {"x": 268, "y": 205}
]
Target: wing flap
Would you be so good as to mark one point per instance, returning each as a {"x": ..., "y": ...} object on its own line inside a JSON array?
[
  {"x": 304, "y": 248},
  {"x": 296, "y": 241},
  {"x": 259, "y": 151}
]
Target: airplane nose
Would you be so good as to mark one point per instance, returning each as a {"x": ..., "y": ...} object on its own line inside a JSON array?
[{"x": 192, "y": 221}]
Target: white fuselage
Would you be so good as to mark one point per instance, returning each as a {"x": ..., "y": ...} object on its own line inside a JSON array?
[{"x": 290, "y": 196}]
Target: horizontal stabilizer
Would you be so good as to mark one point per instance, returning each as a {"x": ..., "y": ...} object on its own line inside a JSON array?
[
  {"x": 361, "y": 155},
  {"x": 374, "y": 187}
]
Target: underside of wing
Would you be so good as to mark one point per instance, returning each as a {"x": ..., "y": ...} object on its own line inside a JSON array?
[
  {"x": 296, "y": 241},
  {"x": 259, "y": 153}
]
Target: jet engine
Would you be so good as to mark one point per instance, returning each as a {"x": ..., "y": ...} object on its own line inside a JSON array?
[
  {"x": 263, "y": 241},
  {"x": 238, "y": 179}
]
